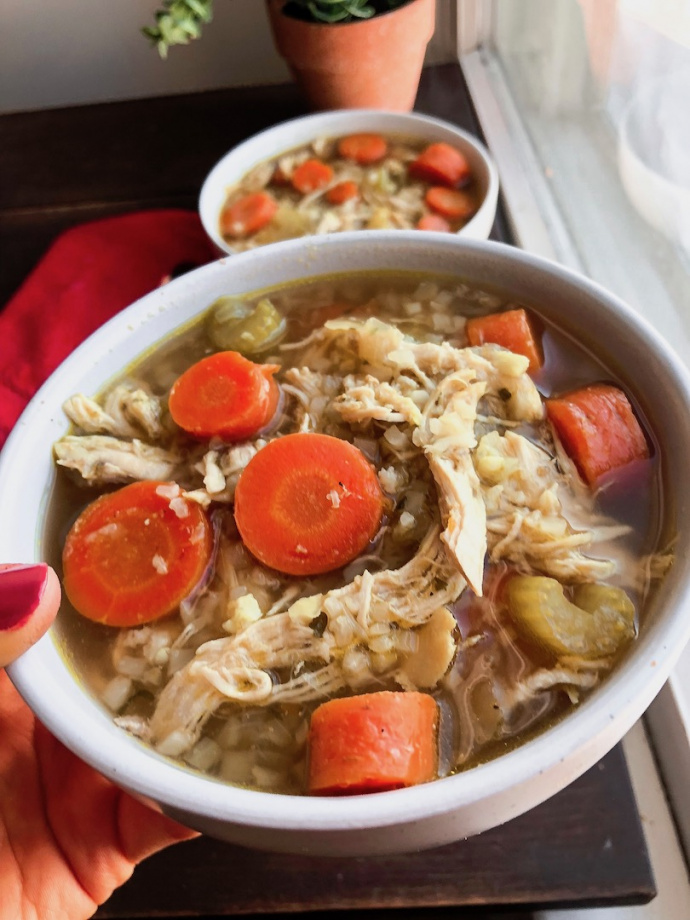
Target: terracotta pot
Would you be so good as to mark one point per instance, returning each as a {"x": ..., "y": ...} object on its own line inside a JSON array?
[{"x": 373, "y": 63}]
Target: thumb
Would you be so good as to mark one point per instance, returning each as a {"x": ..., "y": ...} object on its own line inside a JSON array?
[{"x": 29, "y": 602}]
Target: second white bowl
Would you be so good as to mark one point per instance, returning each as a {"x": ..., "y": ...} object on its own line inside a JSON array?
[{"x": 300, "y": 131}]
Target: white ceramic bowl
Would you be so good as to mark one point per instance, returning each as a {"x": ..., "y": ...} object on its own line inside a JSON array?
[
  {"x": 291, "y": 134},
  {"x": 437, "y": 812}
]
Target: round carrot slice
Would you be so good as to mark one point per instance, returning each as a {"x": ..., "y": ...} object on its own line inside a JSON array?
[
  {"x": 133, "y": 555},
  {"x": 342, "y": 192},
  {"x": 247, "y": 215},
  {"x": 441, "y": 164},
  {"x": 225, "y": 396},
  {"x": 363, "y": 148},
  {"x": 311, "y": 175},
  {"x": 308, "y": 503},
  {"x": 434, "y": 222},
  {"x": 450, "y": 202}
]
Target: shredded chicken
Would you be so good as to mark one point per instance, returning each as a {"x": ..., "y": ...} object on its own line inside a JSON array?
[
  {"x": 101, "y": 459},
  {"x": 129, "y": 412},
  {"x": 363, "y": 617},
  {"x": 525, "y": 520}
]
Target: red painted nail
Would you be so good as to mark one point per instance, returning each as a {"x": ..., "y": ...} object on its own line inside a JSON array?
[{"x": 21, "y": 589}]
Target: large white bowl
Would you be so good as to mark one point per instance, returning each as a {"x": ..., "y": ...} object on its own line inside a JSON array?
[
  {"x": 291, "y": 134},
  {"x": 427, "y": 815}
]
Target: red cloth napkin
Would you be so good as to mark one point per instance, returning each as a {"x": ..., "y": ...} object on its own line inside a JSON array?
[{"x": 90, "y": 273}]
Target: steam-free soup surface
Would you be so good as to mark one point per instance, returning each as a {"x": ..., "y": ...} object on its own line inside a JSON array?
[{"x": 495, "y": 579}]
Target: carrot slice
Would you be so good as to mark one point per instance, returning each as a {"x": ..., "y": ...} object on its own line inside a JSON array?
[
  {"x": 441, "y": 164},
  {"x": 224, "y": 396},
  {"x": 342, "y": 192},
  {"x": 450, "y": 202},
  {"x": 311, "y": 175},
  {"x": 512, "y": 329},
  {"x": 434, "y": 222},
  {"x": 598, "y": 429},
  {"x": 247, "y": 215},
  {"x": 308, "y": 503},
  {"x": 133, "y": 555},
  {"x": 372, "y": 743},
  {"x": 363, "y": 148}
]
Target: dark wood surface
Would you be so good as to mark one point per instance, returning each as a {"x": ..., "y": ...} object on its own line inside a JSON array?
[
  {"x": 585, "y": 846},
  {"x": 582, "y": 847}
]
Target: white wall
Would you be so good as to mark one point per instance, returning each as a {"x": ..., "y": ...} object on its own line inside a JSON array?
[{"x": 67, "y": 52}]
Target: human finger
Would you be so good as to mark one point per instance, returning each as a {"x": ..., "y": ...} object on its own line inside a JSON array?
[{"x": 29, "y": 602}]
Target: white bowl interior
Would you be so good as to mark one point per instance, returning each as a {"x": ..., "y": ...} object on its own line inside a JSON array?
[
  {"x": 291, "y": 134},
  {"x": 422, "y": 816}
]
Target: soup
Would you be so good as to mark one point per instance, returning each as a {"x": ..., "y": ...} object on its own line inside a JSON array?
[
  {"x": 473, "y": 546},
  {"x": 354, "y": 182}
]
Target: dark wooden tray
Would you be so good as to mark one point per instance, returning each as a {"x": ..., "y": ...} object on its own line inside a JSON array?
[
  {"x": 585, "y": 846},
  {"x": 582, "y": 847}
]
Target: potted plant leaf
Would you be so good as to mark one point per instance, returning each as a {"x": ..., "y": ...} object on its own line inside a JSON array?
[{"x": 342, "y": 53}]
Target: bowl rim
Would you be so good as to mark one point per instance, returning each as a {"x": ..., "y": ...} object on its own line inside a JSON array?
[
  {"x": 607, "y": 714},
  {"x": 307, "y": 125}
]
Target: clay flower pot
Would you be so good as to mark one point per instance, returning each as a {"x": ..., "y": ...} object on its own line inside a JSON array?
[{"x": 373, "y": 63}]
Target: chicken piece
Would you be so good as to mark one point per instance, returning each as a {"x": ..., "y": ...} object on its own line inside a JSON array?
[
  {"x": 129, "y": 412},
  {"x": 526, "y": 525},
  {"x": 513, "y": 393},
  {"x": 313, "y": 392},
  {"x": 313, "y": 638},
  {"x": 101, "y": 459},
  {"x": 373, "y": 399},
  {"x": 444, "y": 430},
  {"x": 221, "y": 470}
]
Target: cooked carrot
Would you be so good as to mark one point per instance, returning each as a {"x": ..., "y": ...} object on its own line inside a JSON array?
[
  {"x": 308, "y": 503},
  {"x": 372, "y": 743},
  {"x": 434, "y": 222},
  {"x": 363, "y": 148},
  {"x": 450, "y": 202},
  {"x": 133, "y": 555},
  {"x": 598, "y": 429},
  {"x": 311, "y": 175},
  {"x": 224, "y": 396},
  {"x": 512, "y": 329},
  {"x": 342, "y": 192},
  {"x": 441, "y": 164},
  {"x": 247, "y": 215}
]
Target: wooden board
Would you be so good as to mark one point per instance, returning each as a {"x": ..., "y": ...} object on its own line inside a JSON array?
[{"x": 582, "y": 847}]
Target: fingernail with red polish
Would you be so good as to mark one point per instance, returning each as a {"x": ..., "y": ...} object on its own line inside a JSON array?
[{"x": 21, "y": 589}]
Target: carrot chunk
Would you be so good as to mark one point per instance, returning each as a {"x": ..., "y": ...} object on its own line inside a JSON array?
[
  {"x": 598, "y": 429},
  {"x": 441, "y": 164},
  {"x": 311, "y": 175},
  {"x": 512, "y": 329},
  {"x": 434, "y": 222},
  {"x": 247, "y": 215},
  {"x": 342, "y": 192},
  {"x": 372, "y": 743},
  {"x": 308, "y": 503},
  {"x": 450, "y": 202},
  {"x": 363, "y": 148},
  {"x": 133, "y": 555},
  {"x": 225, "y": 396}
]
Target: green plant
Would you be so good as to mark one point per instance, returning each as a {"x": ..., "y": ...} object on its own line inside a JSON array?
[{"x": 180, "y": 21}]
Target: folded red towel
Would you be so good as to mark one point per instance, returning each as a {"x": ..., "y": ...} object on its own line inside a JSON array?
[{"x": 88, "y": 275}]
